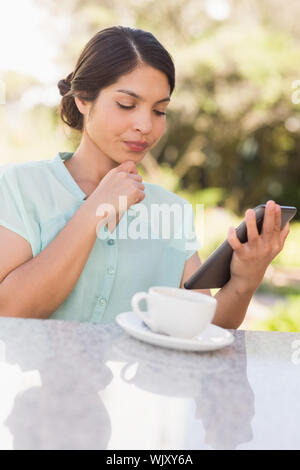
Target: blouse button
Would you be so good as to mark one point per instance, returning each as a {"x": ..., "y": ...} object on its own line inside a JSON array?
[
  {"x": 110, "y": 270},
  {"x": 101, "y": 300},
  {"x": 111, "y": 241}
]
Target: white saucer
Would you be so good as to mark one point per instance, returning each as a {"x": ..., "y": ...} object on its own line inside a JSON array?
[{"x": 213, "y": 337}]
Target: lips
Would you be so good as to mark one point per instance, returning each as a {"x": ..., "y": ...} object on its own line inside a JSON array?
[{"x": 137, "y": 145}]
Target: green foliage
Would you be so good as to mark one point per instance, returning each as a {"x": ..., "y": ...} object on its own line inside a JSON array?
[
  {"x": 232, "y": 124},
  {"x": 290, "y": 255},
  {"x": 278, "y": 290},
  {"x": 210, "y": 197},
  {"x": 285, "y": 316}
]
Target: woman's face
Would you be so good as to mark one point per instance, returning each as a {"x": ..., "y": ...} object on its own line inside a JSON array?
[{"x": 108, "y": 125}]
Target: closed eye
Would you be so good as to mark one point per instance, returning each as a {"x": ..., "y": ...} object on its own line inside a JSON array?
[{"x": 159, "y": 113}]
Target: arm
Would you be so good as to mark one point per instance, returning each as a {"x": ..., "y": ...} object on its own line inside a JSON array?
[
  {"x": 36, "y": 288},
  {"x": 248, "y": 265}
]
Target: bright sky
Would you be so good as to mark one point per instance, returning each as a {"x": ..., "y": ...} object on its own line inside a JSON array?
[
  {"x": 30, "y": 35},
  {"x": 218, "y": 9},
  {"x": 29, "y": 38}
]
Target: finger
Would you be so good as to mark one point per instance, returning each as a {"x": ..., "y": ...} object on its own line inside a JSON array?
[
  {"x": 277, "y": 223},
  {"x": 269, "y": 220},
  {"x": 252, "y": 232},
  {"x": 284, "y": 233},
  {"x": 128, "y": 165},
  {"x": 233, "y": 240},
  {"x": 142, "y": 195},
  {"x": 135, "y": 177},
  {"x": 141, "y": 186}
]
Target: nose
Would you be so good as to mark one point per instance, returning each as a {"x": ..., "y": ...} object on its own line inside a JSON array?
[{"x": 143, "y": 123}]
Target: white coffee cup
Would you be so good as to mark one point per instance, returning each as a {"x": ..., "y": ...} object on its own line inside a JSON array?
[{"x": 174, "y": 311}]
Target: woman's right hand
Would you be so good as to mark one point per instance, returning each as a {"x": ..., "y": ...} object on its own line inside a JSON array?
[{"x": 123, "y": 180}]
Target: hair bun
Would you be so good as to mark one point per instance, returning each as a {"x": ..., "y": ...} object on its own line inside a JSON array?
[{"x": 64, "y": 86}]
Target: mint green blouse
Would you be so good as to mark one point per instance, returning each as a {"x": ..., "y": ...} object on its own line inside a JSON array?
[{"x": 39, "y": 197}]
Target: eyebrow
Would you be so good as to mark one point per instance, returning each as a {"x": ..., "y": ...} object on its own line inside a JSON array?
[{"x": 131, "y": 93}]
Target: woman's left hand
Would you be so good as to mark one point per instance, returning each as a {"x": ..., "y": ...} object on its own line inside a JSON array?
[{"x": 251, "y": 259}]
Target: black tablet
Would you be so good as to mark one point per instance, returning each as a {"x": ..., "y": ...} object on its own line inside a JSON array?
[{"x": 215, "y": 271}]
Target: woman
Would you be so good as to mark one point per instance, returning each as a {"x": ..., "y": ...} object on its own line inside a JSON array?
[{"x": 59, "y": 256}]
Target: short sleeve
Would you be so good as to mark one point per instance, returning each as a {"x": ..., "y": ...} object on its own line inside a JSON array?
[
  {"x": 13, "y": 214},
  {"x": 191, "y": 242}
]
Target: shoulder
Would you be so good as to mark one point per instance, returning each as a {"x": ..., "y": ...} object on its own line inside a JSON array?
[{"x": 22, "y": 173}]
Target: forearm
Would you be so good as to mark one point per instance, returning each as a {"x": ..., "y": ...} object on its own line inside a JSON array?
[
  {"x": 232, "y": 305},
  {"x": 38, "y": 287}
]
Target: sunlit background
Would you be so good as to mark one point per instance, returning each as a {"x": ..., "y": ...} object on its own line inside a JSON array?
[{"x": 233, "y": 136}]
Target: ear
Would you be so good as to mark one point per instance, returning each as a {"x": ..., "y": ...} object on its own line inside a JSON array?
[{"x": 83, "y": 106}]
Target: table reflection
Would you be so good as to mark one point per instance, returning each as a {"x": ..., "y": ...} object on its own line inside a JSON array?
[
  {"x": 217, "y": 382},
  {"x": 66, "y": 408},
  {"x": 66, "y": 411}
]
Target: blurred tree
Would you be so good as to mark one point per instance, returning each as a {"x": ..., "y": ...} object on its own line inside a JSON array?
[{"x": 231, "y": 121}]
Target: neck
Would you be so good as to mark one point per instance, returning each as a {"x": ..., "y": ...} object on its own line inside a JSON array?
[{"x": 89, "y": 163}]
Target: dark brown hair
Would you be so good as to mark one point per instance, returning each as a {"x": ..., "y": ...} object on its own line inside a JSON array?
[{"x": 109, "y": 54}]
